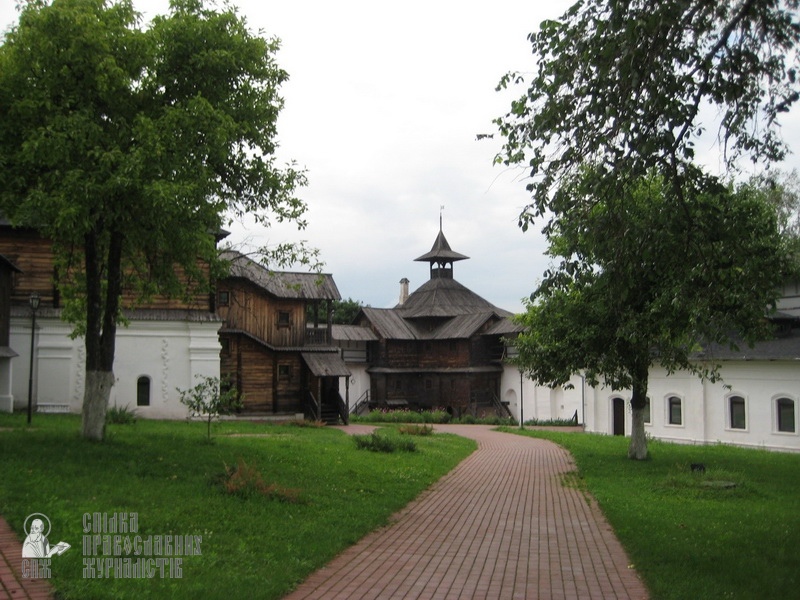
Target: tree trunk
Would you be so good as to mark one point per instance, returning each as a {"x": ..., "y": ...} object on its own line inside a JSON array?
[
  {"x": 637, "y": 450},
  {"x": 95, "y": 403},
  {"x": 101, "y": 330}
]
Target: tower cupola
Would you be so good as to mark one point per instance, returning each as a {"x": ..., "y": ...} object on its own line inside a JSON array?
[{"x": 441, "y": 257}]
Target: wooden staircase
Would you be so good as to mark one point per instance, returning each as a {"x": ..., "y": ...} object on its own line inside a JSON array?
[{"x": 330, "y": 415}]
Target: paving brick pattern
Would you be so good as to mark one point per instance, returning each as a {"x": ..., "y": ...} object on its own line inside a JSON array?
[
  {"x": 499, "y": 526},
  {"x": 12, "y": 585}
]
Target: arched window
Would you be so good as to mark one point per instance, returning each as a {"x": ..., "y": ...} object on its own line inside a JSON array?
[
  {"x": 737, "y": 412},
  {"x": 784, "y": 409},
  {"x": 674, "y": 410},
  {"x": 143, "y": 391}
]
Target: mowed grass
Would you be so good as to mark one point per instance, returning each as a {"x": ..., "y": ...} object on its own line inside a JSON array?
[
  {"x": 253, "y": 546},
  {"x": 687, "y": 535}
]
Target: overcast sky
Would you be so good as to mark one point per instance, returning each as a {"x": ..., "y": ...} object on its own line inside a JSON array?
[{"x": 383, "y": 106}]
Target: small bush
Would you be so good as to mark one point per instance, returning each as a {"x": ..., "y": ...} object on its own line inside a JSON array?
[
  {"x": 246, "y": 482},
  {"x": 437, "y": 415},
  {"x": 415, "y": 429},
  {"x": 551, "y": 422},
  {"x": 210, "y": 399},
  {"x": 121, "y": 415},
  {"x": 381, "y": 443}
]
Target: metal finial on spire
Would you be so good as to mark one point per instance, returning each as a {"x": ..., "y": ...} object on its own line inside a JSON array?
[{"x": 441, "y": 209}]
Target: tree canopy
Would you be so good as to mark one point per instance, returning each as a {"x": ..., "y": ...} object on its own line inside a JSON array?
[
  {"x": 642, "y": 283},
  {"x": 633, "y": 85},
  {"x": 655, "y": 253},
  {"x": 133, "y": 144}
]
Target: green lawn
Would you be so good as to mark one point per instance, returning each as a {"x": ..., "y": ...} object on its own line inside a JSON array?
[
  {"x": 252, "y": 547},
  {"x": 688, "y": 538}
]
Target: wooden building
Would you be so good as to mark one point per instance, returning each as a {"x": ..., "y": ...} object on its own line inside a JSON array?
[
  {"x": 167, "y": 343},
  {"x": 440, "y": 346},
  {"x": 269, "y": 334},
  {"x": 7, "y": 271},
  {"x": 276, "y": 341}
]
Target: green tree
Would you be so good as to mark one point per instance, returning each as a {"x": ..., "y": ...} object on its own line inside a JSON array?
[
  {"x": 132, "y": 144},
  {"x": 621, "y": 94},
  {"x": 210, "y": 399},
  {"x": 630, "y": 86},
  {"x": 641, "y": 283},
  {"x": 345, "y": 311}
]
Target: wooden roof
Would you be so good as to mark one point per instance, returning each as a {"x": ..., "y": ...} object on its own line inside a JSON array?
[
  {"x": 325, "y": 364},
  {"x": 443, "y": 297},
  {"x": 352, "y": 333},
  {"x": 389, "y": 324},
  {"x": 441, "y": 251},
  {"x": 282, "y": 284},
  {"x": 505, "y": 327}
]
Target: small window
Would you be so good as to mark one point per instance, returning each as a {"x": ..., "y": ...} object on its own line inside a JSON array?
[
  {"x": 284, "y": 318},
  {"x": 646, "y": 411},
  {"x": 736, "y": 412},
  {"x": 225, "y": 347},
  {"x": 143, "y": 391},
  {"x": 285, "y": 371},
  {"x": 785, "y": 410},
  {"x": 675, "y": 410},
  {"x": 223, "y": 298}
]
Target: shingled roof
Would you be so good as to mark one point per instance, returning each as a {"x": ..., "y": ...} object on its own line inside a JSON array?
[
  {"x": 282, "y": 284},
  {"x": 441, "y": 251},
  {"x": 440, "y": 309},
  {"x": 446, "y": 298}
]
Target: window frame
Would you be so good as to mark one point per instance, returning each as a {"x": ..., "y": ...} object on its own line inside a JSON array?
[
  {"x": 668, "y": 406},
  {"x": 285, "y": 371},
  {"x": 284, "y": 318},
  {"x": 648, "y": 415},
  {"x": 146, "y": 379},
  {"x": 777, "y": 418},
  {"x": 741, "y": 400}
]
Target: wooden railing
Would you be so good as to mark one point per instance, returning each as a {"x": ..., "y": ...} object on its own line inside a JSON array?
[
  {"x": 317, "y": 336},
  {"x": 313, "y": 408},
  {"x": 344, "y": 414}
]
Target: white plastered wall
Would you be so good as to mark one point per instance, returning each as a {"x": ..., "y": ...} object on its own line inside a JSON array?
[{"x": 171, "y": 354}]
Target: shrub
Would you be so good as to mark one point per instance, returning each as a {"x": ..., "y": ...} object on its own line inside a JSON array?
[
  {"x": 121, "y": 415},
  {"x": 415, "y": 429},
  {"x": 246, "y": 482},
  {"x": 375, "y": 442},
  {"x": 437, "y": 415},
  {"x": 551, "y": 422}
]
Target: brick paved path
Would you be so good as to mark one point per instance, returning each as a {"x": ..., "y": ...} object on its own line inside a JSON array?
[
  {"x": 499, "y": 526},
  {"x": 12, "y": 585}
]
